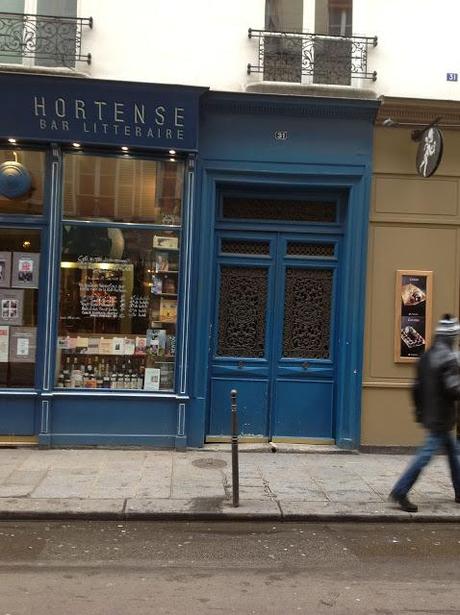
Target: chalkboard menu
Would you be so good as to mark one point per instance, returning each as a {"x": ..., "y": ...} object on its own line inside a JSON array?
[{"x": 97, "y": 291}]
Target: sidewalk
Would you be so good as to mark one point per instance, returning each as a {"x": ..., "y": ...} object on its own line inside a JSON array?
[{"x": 144, "y": 484}]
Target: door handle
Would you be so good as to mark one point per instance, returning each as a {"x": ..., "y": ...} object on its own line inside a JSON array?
[
  {"x": 305, "y": 365},
  {"x": 240, "y": 364}
]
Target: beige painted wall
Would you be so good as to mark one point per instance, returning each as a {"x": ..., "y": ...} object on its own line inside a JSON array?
[{"x": 414, "y": 224}]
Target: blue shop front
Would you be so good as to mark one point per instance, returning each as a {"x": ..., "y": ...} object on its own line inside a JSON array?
[
  {"x": 161, "y": 245},
  {"x": 280, "y": 223},
  {"x": 96, "y": 181}
]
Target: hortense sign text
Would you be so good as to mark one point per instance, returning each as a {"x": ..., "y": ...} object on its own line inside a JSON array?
[
  {"x": 99, "y": 112},
  {"x": 114, "y": 117}
]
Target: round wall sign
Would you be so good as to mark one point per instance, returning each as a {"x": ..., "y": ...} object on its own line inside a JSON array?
[
  {"x": 429, "y": 152},
  {"x": 15, "y": 180}
]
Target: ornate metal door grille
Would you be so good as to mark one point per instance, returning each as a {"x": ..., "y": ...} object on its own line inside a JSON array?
[
  {"x": 242, "y": 311},
  {"x": 279, "y": 209},
  {"x": 307, "y": 313},
  {"x": 297, "y": 248},
  {"x": 236, "y": 246}
]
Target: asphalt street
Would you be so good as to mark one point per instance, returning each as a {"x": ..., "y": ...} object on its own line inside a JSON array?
[{"x": 136, "y": 568}]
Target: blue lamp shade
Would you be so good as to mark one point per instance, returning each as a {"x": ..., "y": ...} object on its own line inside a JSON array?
[{"x": 15, "y": 180}]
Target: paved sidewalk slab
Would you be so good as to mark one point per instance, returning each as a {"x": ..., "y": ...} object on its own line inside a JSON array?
[{"x": 197, "y": 484}]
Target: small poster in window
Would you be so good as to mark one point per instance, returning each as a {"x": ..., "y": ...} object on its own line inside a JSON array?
[
  {"x": 161, "y": 261},
  {"x": 94, "y": 344},
  {"x": 171, "y": 243},
  {"x": 5, "y": 269},
  {"x": 118, "y": 345},
  {"x": 11, "y": 306},
  {"x": 167, "y": 375},
  {"x": 152, "y": 379},
  {"x": 4, "y": 343},
  {"x": 25, "y": 270},
  {"x": 157, "y": 285},
  {"x": 168, "y": 310},
  {"x": 156, "y": 341},
  {"x": 140, "y": 346},
  {"x": 23, "y": 344},
  {"x": 105, "y": 345},
  {"x": 130, "y": 345}
]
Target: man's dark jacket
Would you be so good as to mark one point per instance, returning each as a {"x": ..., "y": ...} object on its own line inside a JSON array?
[{"x": 437, "y": 387}]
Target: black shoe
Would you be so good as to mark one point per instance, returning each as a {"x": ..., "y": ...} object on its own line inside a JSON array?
[{"x": 404, "y": 502}]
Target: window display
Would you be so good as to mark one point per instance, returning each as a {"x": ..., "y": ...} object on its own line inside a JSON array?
[
  {"x": 19, "y": 275},
  {"x": 118, "y": 311},
  {"x": 119, "y": 284}
]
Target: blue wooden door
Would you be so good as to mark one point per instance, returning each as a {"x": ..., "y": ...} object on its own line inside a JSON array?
[{"x": 273, "y": 335}]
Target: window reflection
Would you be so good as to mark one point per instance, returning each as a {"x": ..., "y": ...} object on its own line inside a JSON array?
[{"x": 122, "y": 188}]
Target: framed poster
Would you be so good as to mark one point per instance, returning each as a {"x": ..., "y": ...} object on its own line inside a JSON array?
[
  {"x": 413, "y": 313},
  {"x": 5, "y": 269},
  {"x": 25, "y": 270},
  {"x": 11, "y": 306},
  {"x": 23, "y": 344}
]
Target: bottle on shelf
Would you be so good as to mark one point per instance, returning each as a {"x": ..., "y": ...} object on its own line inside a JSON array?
[
  {"x": 106, "y": 376},
  {"x": 99, "y": 376},
  {"x": 60, "y": 380},
  {"x": 113, "y": 377}
]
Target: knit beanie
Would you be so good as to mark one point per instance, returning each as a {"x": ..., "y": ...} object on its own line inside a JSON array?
[{"x": 448, "y": 326}]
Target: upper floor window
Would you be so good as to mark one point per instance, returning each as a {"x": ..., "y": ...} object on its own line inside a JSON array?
[
  {"x": 334, "y": 17},
  {"x": 41, "y": 33},
  {"x": 283, "y": 15}
]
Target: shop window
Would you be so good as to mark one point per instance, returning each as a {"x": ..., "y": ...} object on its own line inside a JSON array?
[
  {"x": 22, "y": 174},
  {"x": 122, "y": 189},
  {"x": 119, "y": 286},
  {"x": 19, "y": 277}
]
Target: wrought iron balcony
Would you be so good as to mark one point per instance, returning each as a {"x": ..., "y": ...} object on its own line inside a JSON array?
[
  {"x": 327, "y": 59},
  {"x": 47, "y": 40}
]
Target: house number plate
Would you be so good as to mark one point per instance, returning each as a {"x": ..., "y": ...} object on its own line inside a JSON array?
[{"x": 280, "y": 135}]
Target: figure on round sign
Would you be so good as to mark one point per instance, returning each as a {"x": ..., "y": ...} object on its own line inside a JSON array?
[{"x": 429, "y": 152}]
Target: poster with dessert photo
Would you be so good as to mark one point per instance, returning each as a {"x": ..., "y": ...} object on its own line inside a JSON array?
[{"x": 413, "y": 307}]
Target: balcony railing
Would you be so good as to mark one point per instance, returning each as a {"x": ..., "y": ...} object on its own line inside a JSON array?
[
  {"x": 326, "y": 59},
  {"x": 48, "y": 40}
]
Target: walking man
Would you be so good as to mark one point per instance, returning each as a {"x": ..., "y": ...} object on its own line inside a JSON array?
[{"x": 435, "y": 392}]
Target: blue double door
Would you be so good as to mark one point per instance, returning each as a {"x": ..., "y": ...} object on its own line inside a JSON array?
[{"x": 274, "y": 335}]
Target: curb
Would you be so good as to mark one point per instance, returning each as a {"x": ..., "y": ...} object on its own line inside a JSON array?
[{"x": 213, "y": 516}]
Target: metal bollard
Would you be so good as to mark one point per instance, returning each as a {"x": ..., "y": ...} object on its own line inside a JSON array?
[{"x": 235, "y": 471}]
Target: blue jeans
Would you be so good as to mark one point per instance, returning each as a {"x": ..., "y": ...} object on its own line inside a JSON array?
[{"x": 433, "y": 442}]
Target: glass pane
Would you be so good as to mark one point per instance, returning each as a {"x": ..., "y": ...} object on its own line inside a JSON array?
[
  {"x": 22, "y": 178},
  {"x": 11, "y": 32},
  {"x": 242, "y": 307},
  {"x": 122, "y": 189},
  {"x": 55, "y": 38},
  {"x": 118, "y": 309},
  {"x": 19, "y": 275},
  {"x": 284, "y": 15},
  {"x": 307, "y": 313},
  {"x": 246, "y": 208}
]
